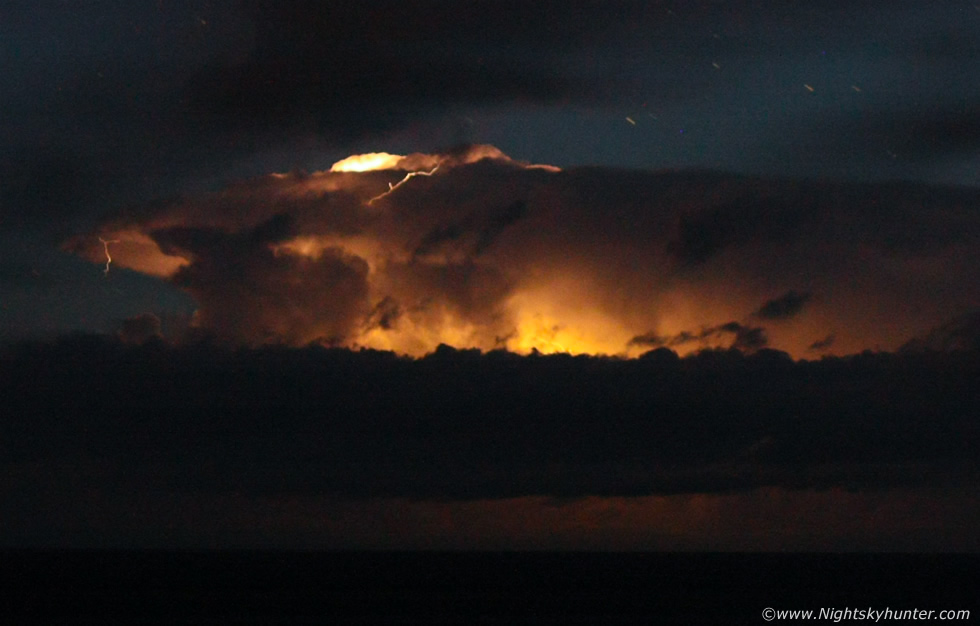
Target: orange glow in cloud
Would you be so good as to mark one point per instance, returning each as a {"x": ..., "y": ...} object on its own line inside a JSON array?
[
  {"x": 417, "y": 335},
  {"x": 552, "y": 324},
  {"x": 313, "y": 247},
  {"x": 479, "y": 250}
]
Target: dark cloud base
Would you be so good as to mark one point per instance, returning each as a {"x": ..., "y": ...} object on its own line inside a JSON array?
[
  {"x": 745, "y": 338},
  {"x": 783, "y": 307},
  {"x": 104, "y": 415}
]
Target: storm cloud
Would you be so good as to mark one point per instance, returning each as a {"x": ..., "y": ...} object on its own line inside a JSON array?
[{"x": 487, "y": 252}]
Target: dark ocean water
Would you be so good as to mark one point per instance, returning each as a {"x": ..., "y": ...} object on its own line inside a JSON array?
[{"x": 134, "y": 587}]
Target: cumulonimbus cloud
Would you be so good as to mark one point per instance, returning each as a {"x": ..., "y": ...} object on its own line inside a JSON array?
[{"x": 474, "y": 249}]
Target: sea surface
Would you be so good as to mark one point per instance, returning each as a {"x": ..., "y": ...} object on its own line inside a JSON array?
[{"x": 255, "y": 587}]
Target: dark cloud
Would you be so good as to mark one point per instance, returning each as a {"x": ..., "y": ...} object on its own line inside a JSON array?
[
  {"x": 651, "y": 340},
  {"x": 140, "y": 329},
  {"x": 346, "y": 70},
  {"x": 913, "y": 139},
  {"x": 748, "y": 339},
  {"x": 702, "y": 235},
  {"x": 478, "y": 231},
  {"x": 385, "y": 314},
  {"x": 94, "y": 112},
  {"x": 475, "y": 292},
  {"x": 22, "y": 275},
  {"x": 822, "y": 344},
  {"x": 744, "y": 338},
  {"x": 248, "y": 293},
  {"x": 784, "y": 307},
  {"x": 437, "y": 236},
  {"x": 41, "y": 186},
  {"x": 961, "y": 333},
  {"x": 924, "y": 135},
  {"x": 498, "y": 222},
  {"x": 462, "y": 424}
]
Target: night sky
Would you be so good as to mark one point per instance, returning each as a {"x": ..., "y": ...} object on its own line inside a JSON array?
[{"x": 632, "y": 275}]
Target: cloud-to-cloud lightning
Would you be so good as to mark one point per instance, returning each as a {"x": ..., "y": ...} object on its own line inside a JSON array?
[
  {"x": 108, "y": 257},
  {"x": 409, "y": 176}
]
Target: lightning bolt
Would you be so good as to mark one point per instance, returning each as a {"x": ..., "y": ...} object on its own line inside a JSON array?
[
  {"x": 409, "y": 176},
  {"x": 108, "y": 257}
]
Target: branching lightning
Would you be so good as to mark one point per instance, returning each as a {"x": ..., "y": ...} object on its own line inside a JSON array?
[
  {"x": 108, "y": 257},
  {"x": 393, "y": 187}
]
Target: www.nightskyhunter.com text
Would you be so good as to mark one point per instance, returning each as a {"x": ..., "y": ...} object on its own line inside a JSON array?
[{"x": 874, "y": 615}]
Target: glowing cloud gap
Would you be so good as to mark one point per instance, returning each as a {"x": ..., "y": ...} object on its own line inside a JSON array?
[{"x": 367, "y": 162}]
